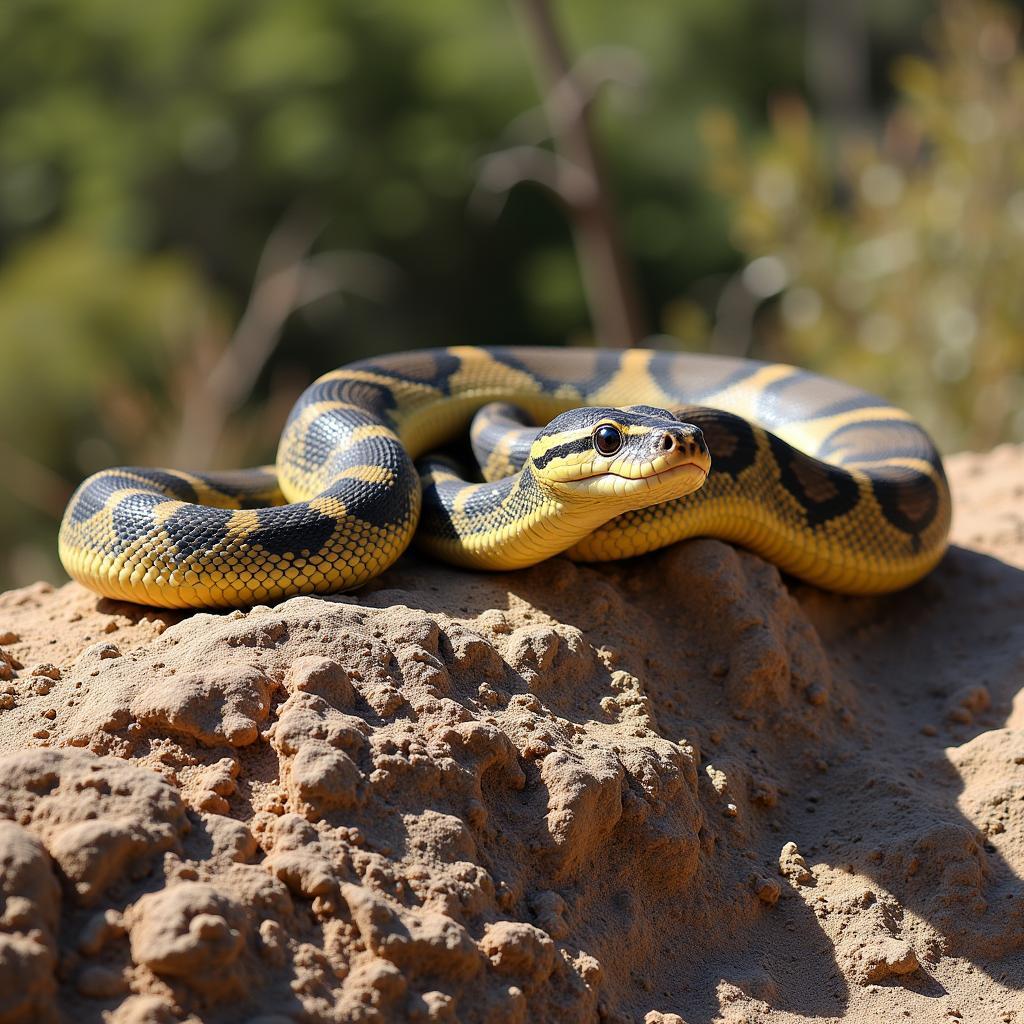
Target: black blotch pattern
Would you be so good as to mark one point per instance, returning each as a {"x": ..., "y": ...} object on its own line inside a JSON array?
[
  {"x": 846, "y": 493},
  {"x": 501, "y": 423},
  {"x": 730, "y": 439},
  {"x": 909, "y": 501},
  {"x": 444, "y": 365},
  {"x": 379, "y": 504},
  {"x": 772, "y": 405},
  {"x": 861, "y": 441},
  {"x": 438, "y": 500},
  {"x": 380, "y": 450},
  {"x": 132, "y": 517},
  {"x": 663, "y": 369},
  {"x": 851, "y": 404},
  {"x": 489, "y": 504},
  {"x": 197, "y": 528},
  {"x": 653, "y": 411},
  {"x": 292, "y": 529},
  {"x": 249, "y": 487},
  {"x": 519, "y": 449},
  {"x": 518, "y": 442},
  {"x": 377, "y": 400},
  {"x": 529, "y": 489},
  {"x": 329, "y": 432},
  {"x": 93, "y": 495},
  {"x": 605, "y": 366},
  {"x": 487, "y": 499},
  {"x": 170, "y": 484}
]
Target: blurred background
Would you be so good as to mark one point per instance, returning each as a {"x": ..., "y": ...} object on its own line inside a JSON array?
[{"x": 204, "y": 206}]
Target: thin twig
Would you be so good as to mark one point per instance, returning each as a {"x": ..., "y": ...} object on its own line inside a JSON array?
[
  {"x": 287, "y": 278},
  {"x": 608, "y": 279},
  {"x": 274, "y": 297}
]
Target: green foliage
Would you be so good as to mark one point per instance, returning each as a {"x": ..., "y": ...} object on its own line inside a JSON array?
[{"x": 897, "y": 260}]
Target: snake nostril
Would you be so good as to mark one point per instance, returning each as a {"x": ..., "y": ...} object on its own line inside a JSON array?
[{"x": 668, "y": 442}]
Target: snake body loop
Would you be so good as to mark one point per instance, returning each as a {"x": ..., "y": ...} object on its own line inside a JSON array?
[{"x": 832, "y": 484}]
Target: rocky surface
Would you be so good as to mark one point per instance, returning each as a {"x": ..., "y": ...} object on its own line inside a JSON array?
[{"x": 679, "y": 788}]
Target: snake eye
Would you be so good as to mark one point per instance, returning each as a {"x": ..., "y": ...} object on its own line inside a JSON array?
[{"x": 607, "y": 439}]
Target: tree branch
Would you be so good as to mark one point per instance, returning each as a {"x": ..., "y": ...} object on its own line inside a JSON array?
[
  {"x": 608, "y": 279},
  {"x": 287, "y": 278}
]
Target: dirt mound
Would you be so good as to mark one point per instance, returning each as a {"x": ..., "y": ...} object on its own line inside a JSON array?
[{"x": 676, "y": 788}]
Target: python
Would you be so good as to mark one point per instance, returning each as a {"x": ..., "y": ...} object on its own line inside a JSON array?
[{"x": 832, "y": 484}]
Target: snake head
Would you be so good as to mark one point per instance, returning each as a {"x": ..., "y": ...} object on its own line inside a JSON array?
[{"x": 628, "y": 458}]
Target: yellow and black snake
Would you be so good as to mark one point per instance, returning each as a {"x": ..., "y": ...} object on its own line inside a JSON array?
[{"x": 832, "y": 484}]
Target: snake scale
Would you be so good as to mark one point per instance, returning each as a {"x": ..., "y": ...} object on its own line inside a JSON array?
[{"x": 832, "y": 484}]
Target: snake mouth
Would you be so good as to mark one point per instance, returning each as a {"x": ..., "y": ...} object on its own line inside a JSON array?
[
  {"x": 686, "y": 471},
  {"x": 702, "y": 467},
  {"x": 662, "y": 475},
  {"x": 652, "y": 488}
]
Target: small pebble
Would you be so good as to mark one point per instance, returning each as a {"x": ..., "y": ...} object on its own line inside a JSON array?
[
  {"x": 793, "y": 865},
  {"x": 887, "y": 958},
  {"x": 816, "y": 694},
  {"x": 767, "y": 890},
  {"x": 45, "y": 669}
]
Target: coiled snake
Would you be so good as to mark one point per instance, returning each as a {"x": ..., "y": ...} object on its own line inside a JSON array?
[{"x": 833, "y": 485}]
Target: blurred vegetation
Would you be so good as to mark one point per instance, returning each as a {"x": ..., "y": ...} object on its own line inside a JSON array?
[
  {"x": 189, "y": 188},
  {"x": 897, "y": 254}
]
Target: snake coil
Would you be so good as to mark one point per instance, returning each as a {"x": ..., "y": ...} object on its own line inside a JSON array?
[{"x": 830, "y": 483}]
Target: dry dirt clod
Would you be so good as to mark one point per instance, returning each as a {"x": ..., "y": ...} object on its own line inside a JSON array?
[{"x": 793, "y": 865}]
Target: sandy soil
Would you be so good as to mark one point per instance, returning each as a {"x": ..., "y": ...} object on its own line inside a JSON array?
[{"x": 674, "y": 789}]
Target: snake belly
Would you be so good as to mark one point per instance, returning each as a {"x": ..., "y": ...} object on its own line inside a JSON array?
[{"x": 832, "y": 484}]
